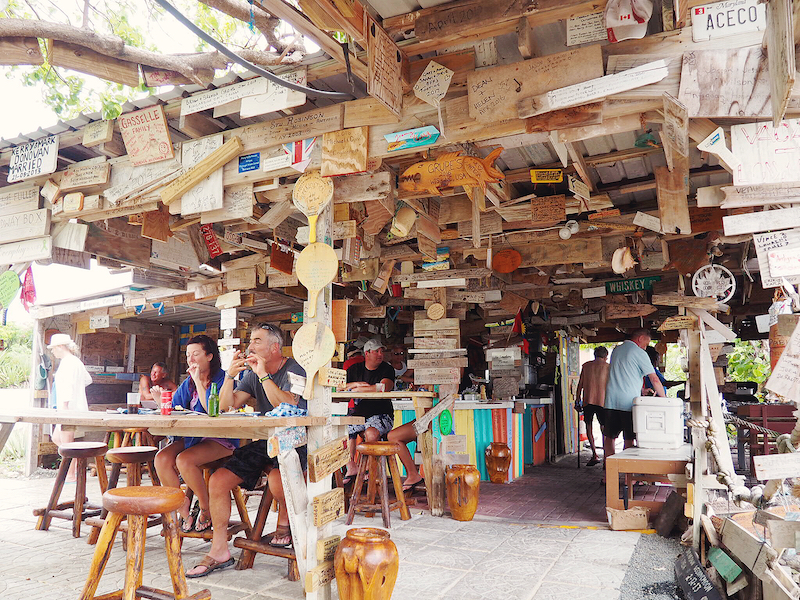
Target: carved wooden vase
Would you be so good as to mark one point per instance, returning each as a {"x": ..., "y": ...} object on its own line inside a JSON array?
[
  {"x": 366, "y": 564},
  {"x": 463, "y": 489},
  {"x": 498, "y": 459}
]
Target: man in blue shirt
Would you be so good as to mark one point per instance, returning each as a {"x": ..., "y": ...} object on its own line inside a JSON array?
[{"x": 629, "y": 364}]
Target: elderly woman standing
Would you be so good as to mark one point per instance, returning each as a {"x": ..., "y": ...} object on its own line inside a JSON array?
[{"x": 69, "y": 388}]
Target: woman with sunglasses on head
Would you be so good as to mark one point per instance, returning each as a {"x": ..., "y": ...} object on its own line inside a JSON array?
[{"x": 185, "y": 455}]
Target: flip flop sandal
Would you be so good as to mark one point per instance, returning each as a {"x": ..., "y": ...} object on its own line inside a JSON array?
[
  {"x": 413, "y": 486},
  {"x": 592, "y": 462},
  {"x": 281, "y": 531},
  {"x": 188, "y": 522},
  {"x": 211, "y": 565},
  {"x": 201, "y": 525}
]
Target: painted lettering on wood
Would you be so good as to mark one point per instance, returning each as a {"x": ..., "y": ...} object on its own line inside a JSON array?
[
  {"x": 146, "y": 135},
  {"x": 328, "y": 507},
  {"x": 33, "y": 159},
  {"x": 344, "y": 151},
  {"x": 767, "y": 154},
  {"x": 327, "y": 459},
  {"x": 385, "y": 61}
]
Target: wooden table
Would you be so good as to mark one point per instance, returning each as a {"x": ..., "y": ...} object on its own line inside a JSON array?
[{"x": 643, "y": 461}]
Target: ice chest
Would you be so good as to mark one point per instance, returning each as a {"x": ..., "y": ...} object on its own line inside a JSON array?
[{"x": 658, "y": 422}]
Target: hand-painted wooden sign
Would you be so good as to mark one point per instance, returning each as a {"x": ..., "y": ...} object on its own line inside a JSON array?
[
  {"x": 344, "y": 151},
  {"x": 294, "y": 127},
  {"x": 385, "y": 62},
  {"x": 723, "y": 19},
  {"x": 328, "y": 507},
  {"x": 777, "y": 466},
  {"x": 223, "y": 95},
  {"x": 146, "y": 135},
  {"x": 411, "y": 138},
  {"x": 784, "y": 262},
  {"x": 237, "y": 203},
  {"x": 277, "y": 97},
  {"x": 675, "y": 133},
  {"x": 16, "y": 199},
  {"x": 451, "y": 170},
  {"x": 547, "y": 175},
  {"x": 33, "y": 159},
  {"x": 327, "y": 459},
  {"x": 24, "y": 225},
  {"x": 584, "y": 29},
  {"x": 208, "y": 194},
  {"x": 98, "y": 132},
  {"x": 768, "y": 154},
  {"x": 549, "y": 210},
  {"x": 647, "y": 221},
  {"x": 673, "y": 204},
  {"x": 678, "y": 322},
  {"x": 26, "y": 250},
  {"x": 740, "y": 196},
  {"x": 81, "y": 175},
  {"x": 780, "y": 56},
  {"x": 432, "y": 85},
  {"x": 785, "y": 377},
  {"x": 628, "y": 286},
  {"x": 768, "y": 242},
  {"x": 782, "y": 218},
  {"x": 725, "y": 83}
]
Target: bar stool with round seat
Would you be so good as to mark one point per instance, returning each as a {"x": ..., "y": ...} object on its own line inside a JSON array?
[
  {"x": 133, "y": 458},
  {"x": 78, "y": 509},
  {"x": 137, "y": 503},
  {"x": 374, "y": 457}
]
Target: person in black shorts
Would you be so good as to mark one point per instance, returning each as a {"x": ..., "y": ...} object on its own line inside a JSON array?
[
  {"x": 591, "y": 394},
  {"x": 372, "y": 375},
  {"x": 273, "y": 380}
]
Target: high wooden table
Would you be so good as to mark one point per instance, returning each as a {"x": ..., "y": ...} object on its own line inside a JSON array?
[
  {"x": 643, "y": 461},
  {"x": 422, "y": 401}
]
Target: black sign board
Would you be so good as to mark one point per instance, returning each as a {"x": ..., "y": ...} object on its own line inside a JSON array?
[{"x": 692, "y": 578}]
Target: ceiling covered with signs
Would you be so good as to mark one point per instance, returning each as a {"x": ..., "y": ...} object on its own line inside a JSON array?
[{"x": 510, "y": 155}]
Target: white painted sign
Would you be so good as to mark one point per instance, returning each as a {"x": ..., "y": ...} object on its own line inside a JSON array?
[
  {"x": 595, "y": 292},
  {"x": 723, "y": 19},
  {"x": 777, "y": 466},
  {"x": 24, "y": 225},
  {"x": 206, "y": 195},
  {"x": 432, "y": 85},
  {"x": 783, "y": 218},
  {"x": 647, "y": 221},
  {"x": 237, "y": 203},
  {"x": 276, "y": 162},
  {"x": 223, "y": 95},
  {"x": 128, "y": 180},
  {"x": 18, "y": 198},
  {"x": 70, "y": 236},
  {"x": 586, "y": 29},
  {"x": 174, "y": 254},
  {"x": 783, "y": 263},
  {"x": 26, "y": 250},
  {"x": 577, "y": 187},
  {"x": 227, "y": 319},
  {"x": 759, "y": 195},
  {"x": 277, "y": 97},
  {"x": 99, "y": 322},
  {"x": 767, "y": 154},
  {"x": 33, "y": 159},
  {"x": 769, "y": 242},
  {"x": 785, "y": 378}
]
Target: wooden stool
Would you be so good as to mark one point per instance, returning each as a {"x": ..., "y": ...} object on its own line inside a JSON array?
[
  {"x": 133, "y": 457},
  {"x": 137, "y": 503},
  {"x": 373, "y": 457},
  {"x": 75, "y": 510},
  {"x": 134, "y": 436},
  {"x": 234, "y": 527},
  {"x": 255, "y": 542}
]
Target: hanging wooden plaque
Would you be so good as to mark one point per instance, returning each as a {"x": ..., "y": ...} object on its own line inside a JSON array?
[
  {"x": 146, "y": 135},
  {"x": 344, "y": 151},
  {"x": 385, "y": 79}
]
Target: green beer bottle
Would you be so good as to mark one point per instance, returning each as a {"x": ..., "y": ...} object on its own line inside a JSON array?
[{"x": 213, "y": 402}]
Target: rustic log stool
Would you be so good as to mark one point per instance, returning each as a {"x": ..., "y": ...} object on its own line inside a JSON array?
[
  {"x": 373, "y": 457},
  {"x": 133, "y": 457},
  {"x": 74, "y": 510},
  {"x": 239, "y": 498},
  {"x": 255, "y": 542},
  {"x": 134, "y": 436},
  {"x": 137, "y": 503}
]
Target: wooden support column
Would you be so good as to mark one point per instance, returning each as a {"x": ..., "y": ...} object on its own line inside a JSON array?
[{"x": 700, "y": 453}]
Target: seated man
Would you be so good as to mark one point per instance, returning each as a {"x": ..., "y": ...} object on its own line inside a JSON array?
[
  {"x": 269, "y": 378},
  {"x": 159, "y": 376},
  {"x": 372, "y": 375}
]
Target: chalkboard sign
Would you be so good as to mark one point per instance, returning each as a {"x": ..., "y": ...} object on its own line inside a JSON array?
[{"x": 692, "y": 579}]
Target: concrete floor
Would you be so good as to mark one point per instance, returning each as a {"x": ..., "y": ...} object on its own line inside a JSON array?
[{"x": 538, "y": 538}]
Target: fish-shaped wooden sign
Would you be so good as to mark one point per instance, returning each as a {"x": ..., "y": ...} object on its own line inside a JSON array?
[{"x": 451, "y": 170}]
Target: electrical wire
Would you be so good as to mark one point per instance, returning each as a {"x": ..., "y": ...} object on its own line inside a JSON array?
[{"x": 245, "y": 63}]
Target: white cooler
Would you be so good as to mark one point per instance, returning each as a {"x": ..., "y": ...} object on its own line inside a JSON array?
[{"x": 658, "y": 422}]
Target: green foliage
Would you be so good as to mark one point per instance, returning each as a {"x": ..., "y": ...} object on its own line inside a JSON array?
[
  {"x": 15, "y": 360},
  {"x": 749, "y": 361},
  {"x": 14, "y": 449}
]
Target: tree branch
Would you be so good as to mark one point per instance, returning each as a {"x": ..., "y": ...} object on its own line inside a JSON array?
[{"x": 264, "y": 22}]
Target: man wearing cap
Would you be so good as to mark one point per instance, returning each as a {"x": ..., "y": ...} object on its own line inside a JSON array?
[
  {"x": 372, "y": 375},
  {"x": 629, "y": 364}
]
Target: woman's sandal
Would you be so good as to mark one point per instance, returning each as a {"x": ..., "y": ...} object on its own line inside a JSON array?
[
  {"x": 412, "y": 487},
  {"x": 281, "y": 531},
  {"x": 201, "y": 524},
  {"x": 188, "y": 522},
  {"x": 210, "y": 566}
]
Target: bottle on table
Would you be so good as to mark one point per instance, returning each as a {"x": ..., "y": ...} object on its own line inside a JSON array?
[{"x": 213, "y": 401}]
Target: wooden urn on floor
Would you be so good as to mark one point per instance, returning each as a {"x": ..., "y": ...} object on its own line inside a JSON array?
[
  {"x": 498, "y": 459},
  {"x": 366, "y": 564},
  {"x": 463, "y": 489}
]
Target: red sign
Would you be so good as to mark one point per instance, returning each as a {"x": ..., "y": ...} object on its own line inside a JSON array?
[{"x": 210, "y": 238}]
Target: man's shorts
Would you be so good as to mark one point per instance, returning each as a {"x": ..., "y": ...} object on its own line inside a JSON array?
[
  {"x": 598, "y": 412},
  {"x": 249, "y": 462},
  {"x": 383, "y": 423},
  {"x": 618, "y": 421}
]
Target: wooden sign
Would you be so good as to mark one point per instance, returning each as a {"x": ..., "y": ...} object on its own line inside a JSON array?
[
  {"x": 722, "y": 19},
  {"x": 647, "y": 221},
  {"x": 678, "y": 322},
  {"x": 673, "y": 205},
  {"x": 742, "y": 196},
  {"x": 16, "y": 199},
  {"x": 433, "y": 83},
  {"x": 782, "y": 533},
  {"x": 79, "y": 260},
  {"x": 777, "y": 466},
  {"x": 675, "y": 132},
  {"x": 128, "y": 181},
  {"x": 547, "y": 176},
  {"x": 223, "y": 95},
  {"x": 560, "y": 252},
  {"x": 725, "y": 83},
  {"x": 70, "y": 236},
  {"x": 320, "y": 575},
  {"x": 434, "y": 376},
  {"x": 201, "y": 170},
  {"x": 585, "y": 29},
  {"x": 617, "y": 311},
  {"x": 33, "y": 159},
  {"x": 344, "y": 151},
  {"x": 608, "y": 213},
  {"x": 549, "y": 210},
  {"x": 207, "y": 193},
  {"x": 783, "y": 263},
  {"x": 328, "y": 507},
  {"x": 594, "y": 89},
  {"x": 331, "y": 377},
  {"x": 240, "y": 279},
  {"x": 594, "y": 292},
  {"x": 780, "y": 56},
  {"x": 385, "y": 65},
  {"x": 174, "y": 254},
  {"x": 422, "y": 326},
  {"x": 341, "y": 230},
  {"x": 494, "y": 92},
  {"x": 411, "y": 138},
  {"x": 785, "y": 377},
  {"x": 327, "y": 459},
  {"x": 82, "y": 175},
  {"x": 277, "y": 97},
  {"x": 326, "y": 547},
  {"x": 692, "y": 577},
  {"x": 450, "y": 170},
  {"x": 268, "y": 134},
  {"x": 422, "y": 423},
  {"x": 26, "y": 250},
  {"x": 578, "y": 187},
  {"x": 634, "y": 284},
  {"x": 98, "y": 132},
  {"x": 768, "y": 154},
  {"x": 146, "y": 135},
  {"x": 504, "y": 388},
  {"x": 24, "y": 225},
  {"x": 115, "y": 239},
  {"x": 237, "y": 203},
  {"x": 782, "y": 218}
]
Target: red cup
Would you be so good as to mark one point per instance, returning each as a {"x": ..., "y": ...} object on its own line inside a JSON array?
[
  {"x": 397, "y": 290},
  {"x": 166, "y": 403}
]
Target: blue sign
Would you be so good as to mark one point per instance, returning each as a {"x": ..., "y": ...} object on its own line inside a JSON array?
[{"x": 250, "y": 162}]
